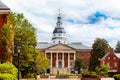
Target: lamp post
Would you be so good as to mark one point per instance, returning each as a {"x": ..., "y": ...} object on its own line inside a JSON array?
[{"x": 18, "y": 48}]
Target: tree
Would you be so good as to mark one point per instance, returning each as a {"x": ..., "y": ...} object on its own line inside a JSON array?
[
  {"x": 8, "y": 71},
  {"x": 42, "y": 62},
  {"x": 5, "y": 42},
  {"x": 103, "y": 70},
  {"x": 24, "y": 35},
  {"x": 100, "y": 47},
  {"x": 79, "y": 64},
  {"x": 117, "y": 48}
]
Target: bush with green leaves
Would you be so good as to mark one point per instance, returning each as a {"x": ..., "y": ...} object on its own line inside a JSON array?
[
  {"x": 103, "y": 70},
  {"x": 117, "y": 76},
  {"x": 62, "y": 76},
  {"x": 8, "y": 71},
  {"x": 87, "y": 74}
]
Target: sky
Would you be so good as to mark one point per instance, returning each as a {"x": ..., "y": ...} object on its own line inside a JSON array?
[{"x": 83, "y": 20}]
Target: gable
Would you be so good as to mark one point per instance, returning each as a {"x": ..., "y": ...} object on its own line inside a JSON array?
[
  {"x": 60, "y": 47},
  {"x": 111, "y": 55}
]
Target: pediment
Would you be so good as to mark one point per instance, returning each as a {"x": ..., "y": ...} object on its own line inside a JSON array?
[{"x": 60, "y": 47}]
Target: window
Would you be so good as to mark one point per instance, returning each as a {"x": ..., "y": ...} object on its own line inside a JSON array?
[
  {"x": 60, "y": 64},
  {"x": 65, "y": 55},
  {"x": 108, "y": 57},
  {"x": 115, "y": 64},
  {"x": 103, "y": 62},
  {"x": 114, "y": 57},
  {"x": 59, "y": 34},
  {"x": 71, "y": 64},
  {"x": 48, "y": 55},
  {"x": 82, "y": 54},
  {"x": 108, "y": 65},
  {"x": 71, "y": 55},
  {"x": 88, "y": 54}
]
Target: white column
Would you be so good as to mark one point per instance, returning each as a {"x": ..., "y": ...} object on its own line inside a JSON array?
[
  {"x": 51, "y": 59},
  {"x": 56, "y": 60},
  {"x": 74, "y": 56},
  {"x": 68, "y": 60},
  {"x": 62, "y": 60},
  {"x": 45, "y": 55}
]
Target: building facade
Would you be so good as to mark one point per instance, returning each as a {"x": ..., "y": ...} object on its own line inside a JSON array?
[
  {"x": 112, "y": 60},
  {"x": 62, "y": 54},
  {"x": 4, "y": 11}
]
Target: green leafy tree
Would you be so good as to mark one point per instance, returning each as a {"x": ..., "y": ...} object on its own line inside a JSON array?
[
  {"x": 8, "y": 71},
  {"x": 5, "y": 42},
  {"x": 117, "y": 48},
  {"x": 42, "y": 62},
  {"x": 25, "y": 36},
  {"x": 100, "y": 47},
  {"x": 79, "y": 64},
  {"x": 103, "y": 70}
]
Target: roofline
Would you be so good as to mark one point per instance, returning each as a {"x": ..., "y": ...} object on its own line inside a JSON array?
[
  {"x": 2, "y": 11},
  {"x": 4, "y": 8},
  {"x": 62, "y": 44},
  {"x": 83, "y": 49}
]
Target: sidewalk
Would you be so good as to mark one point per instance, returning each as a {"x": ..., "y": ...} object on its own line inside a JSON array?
[{"x": 58, "y": 79}]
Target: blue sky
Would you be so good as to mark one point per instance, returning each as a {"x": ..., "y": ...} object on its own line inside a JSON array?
[{"x": 83, "y": 20}]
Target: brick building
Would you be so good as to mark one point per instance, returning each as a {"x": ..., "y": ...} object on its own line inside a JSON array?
[
  {"x": 112, "y": 60},
  {"x": 4, "y": 11},
  {"x": 61, "y": 54}
]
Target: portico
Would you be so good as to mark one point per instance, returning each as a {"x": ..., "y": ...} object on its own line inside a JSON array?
[{"x": 61, "y": 58}]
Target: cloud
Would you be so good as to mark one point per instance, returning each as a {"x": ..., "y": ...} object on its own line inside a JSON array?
[{"x": 83, "y": 20}]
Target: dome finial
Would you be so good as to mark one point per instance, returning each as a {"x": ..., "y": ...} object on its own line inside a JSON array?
[{"x": 59, "y": 11}]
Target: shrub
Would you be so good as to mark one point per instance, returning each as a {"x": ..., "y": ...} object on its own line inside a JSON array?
[
  {"x": 117, "y": 76},
  {"x": 94, "y": 75},
  {"x": 88, "y": 74},
  {"x": 103, "y": 70},
  {"x": 8, "y": 71},
  {"x": 62, "y": 76},
  {"x": 6, "y": 77},
  {"x": 44, "y": 76}
]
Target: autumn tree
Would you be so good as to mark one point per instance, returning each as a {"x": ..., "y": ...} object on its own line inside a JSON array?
[
  {"x": 79, "y": 64},
  {"x": 100, "y": 47},
  {"x": 117, "y": 48},
  {"x": 42, "y": 63},
  {"x": 24, "y": 36}
]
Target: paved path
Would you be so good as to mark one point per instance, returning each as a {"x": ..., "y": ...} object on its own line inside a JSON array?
[{"x": 58, "y": 79}]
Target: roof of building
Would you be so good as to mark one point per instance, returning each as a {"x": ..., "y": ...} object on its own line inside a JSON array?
[
  {"x": 59, "y": 30},
  {"x": 105, "y": 56},
  {"x": 76, "y": 45},
  {"x": 3, "y": 6},
  {"x": 118, "y": 55}
]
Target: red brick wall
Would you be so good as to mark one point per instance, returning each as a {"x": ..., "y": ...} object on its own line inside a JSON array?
[
  {"x": 3, "y": 19},
  {"x": 54, "y": 60},
  {"x": 66, "y": 59},
  {"x": 85, "y": 55},
  {"x": 112, "y": 59}
]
